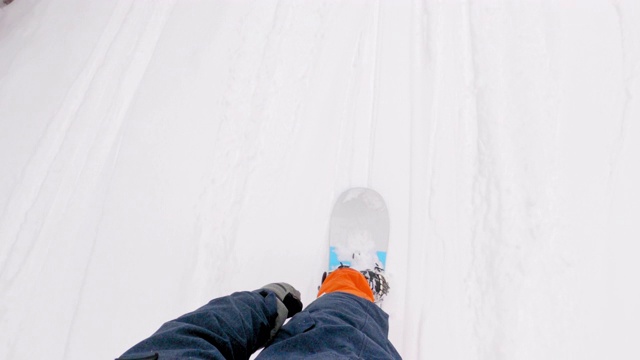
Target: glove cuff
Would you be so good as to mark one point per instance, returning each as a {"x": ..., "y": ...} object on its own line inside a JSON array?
[{"x": 287, "y": 294}]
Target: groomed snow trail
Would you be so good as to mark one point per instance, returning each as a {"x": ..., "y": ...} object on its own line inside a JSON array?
[{"x": 157, "y": 154}]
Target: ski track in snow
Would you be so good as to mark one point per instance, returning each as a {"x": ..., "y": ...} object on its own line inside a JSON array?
[
  {"x": 177, "y": 152},
  {"x": 66, "y": 174}
]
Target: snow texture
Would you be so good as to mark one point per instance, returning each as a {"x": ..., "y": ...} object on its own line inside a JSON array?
[{"x": 157, "y": 154}]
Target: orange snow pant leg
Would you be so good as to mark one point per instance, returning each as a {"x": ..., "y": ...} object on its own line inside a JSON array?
[{"x": 347, "y": 280}]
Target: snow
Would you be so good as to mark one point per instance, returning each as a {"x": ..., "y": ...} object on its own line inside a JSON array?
[{"x": 157, "y": 154}]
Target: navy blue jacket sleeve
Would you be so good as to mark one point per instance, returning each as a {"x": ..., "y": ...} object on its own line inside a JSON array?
[{"x": 230, "y": 327}]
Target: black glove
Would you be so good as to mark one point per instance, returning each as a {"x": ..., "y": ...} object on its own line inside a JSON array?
[{"x": 289, "y": 302}]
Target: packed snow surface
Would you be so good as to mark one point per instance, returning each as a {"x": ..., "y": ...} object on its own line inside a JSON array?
[{"x": 157, "y": 154}]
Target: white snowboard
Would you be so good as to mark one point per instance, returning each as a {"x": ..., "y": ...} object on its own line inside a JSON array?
[{"x": 359, "y": 230}]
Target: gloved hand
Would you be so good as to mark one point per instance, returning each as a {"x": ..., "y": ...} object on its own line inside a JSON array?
[{"x": 289, "y": 302}]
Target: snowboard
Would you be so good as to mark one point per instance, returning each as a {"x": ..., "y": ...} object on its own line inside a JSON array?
[{"x": 359, "y": 231}]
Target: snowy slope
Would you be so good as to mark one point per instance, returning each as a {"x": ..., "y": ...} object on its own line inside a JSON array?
[{"x": 156, "y": 154}]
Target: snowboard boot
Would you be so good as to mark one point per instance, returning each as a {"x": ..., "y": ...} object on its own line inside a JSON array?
[{"x": 375, "y": 278}]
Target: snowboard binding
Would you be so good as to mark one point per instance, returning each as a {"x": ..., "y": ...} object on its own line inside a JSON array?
[{"x": 377, "y": 282}]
